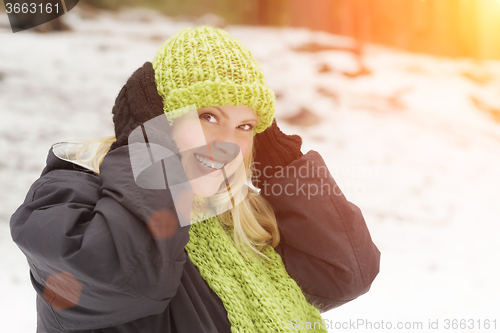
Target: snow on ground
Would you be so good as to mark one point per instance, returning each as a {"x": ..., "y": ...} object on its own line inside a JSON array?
[{"x": 415, "y": 145}]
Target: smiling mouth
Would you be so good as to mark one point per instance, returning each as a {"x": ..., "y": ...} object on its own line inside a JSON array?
[{"x": 207, "y": 163}]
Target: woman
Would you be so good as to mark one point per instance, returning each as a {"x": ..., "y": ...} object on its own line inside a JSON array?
[{"x": 155, "y": 230}]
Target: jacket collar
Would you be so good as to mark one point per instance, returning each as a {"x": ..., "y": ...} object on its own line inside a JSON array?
[{"x": 62, "y": 155}]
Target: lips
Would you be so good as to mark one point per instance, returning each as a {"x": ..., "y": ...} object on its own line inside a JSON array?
[{"x": 207, "y": 163}]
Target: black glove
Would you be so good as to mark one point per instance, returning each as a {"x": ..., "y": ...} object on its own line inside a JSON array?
[
  {"x": 274, "y": 148},
  {"x": 137, "y": 102}
]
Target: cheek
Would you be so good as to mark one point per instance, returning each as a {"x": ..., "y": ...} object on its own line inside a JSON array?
[
  {"x": 245, "y": 145},
  {"x": 188, "y": 137},
  {"x": 185, "y": 142}
]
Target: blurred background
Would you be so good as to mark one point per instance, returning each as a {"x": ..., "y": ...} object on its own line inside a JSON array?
[
  {"x": 455, "y": 28},
  {"x": 400, "y": 97}
]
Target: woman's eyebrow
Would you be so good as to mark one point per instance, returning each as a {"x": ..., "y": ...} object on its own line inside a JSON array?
[{"x": 224, "y": 114}]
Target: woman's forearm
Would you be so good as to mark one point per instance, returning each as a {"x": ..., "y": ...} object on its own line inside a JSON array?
[
  {"x": 325, "y": 243},
  {"x": 91, "y": 247}
]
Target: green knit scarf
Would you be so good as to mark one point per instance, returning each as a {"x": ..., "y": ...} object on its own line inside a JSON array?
[{"x": 258, "y": 294}]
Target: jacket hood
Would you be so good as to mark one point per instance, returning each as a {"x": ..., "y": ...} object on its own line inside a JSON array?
[{"x": 68, "y": 151}]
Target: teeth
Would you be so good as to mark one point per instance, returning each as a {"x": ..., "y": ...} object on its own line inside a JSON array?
[{"x": 207, "y": 163}]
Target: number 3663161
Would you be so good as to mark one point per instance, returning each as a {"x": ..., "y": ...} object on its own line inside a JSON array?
[{"x": 31, "y": 8}]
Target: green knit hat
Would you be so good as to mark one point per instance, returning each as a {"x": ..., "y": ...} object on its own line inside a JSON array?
[{"x": 204, "y": 67}]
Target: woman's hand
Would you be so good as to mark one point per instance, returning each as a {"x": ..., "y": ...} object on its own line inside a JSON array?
[
  {"x": 137, "y": 102},
  {"x": 273, "y": 148}
]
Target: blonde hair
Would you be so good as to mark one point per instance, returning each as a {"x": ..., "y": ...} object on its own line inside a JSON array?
[{"x": 253, "y": 219}]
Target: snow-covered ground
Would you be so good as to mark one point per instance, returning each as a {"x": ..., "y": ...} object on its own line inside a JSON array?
[{"x": 415, "y": 145}]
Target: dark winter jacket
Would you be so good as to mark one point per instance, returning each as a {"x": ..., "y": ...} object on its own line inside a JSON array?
[{"x": 96, "y": 267}]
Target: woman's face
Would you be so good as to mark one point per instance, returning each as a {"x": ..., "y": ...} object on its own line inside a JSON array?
[{"x": 225, "y": 141}]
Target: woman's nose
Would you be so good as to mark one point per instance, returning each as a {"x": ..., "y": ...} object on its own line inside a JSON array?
[
  {"x": 226, "y": 148},
  {"x": 225, "y": 142}
]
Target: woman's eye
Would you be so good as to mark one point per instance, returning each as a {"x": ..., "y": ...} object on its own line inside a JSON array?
[
  {"x": 209, "y": 117},
  {"x": 246, "y": 127}
]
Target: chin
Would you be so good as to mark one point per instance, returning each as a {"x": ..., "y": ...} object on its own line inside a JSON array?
[{"x": 204, "y": 187}]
